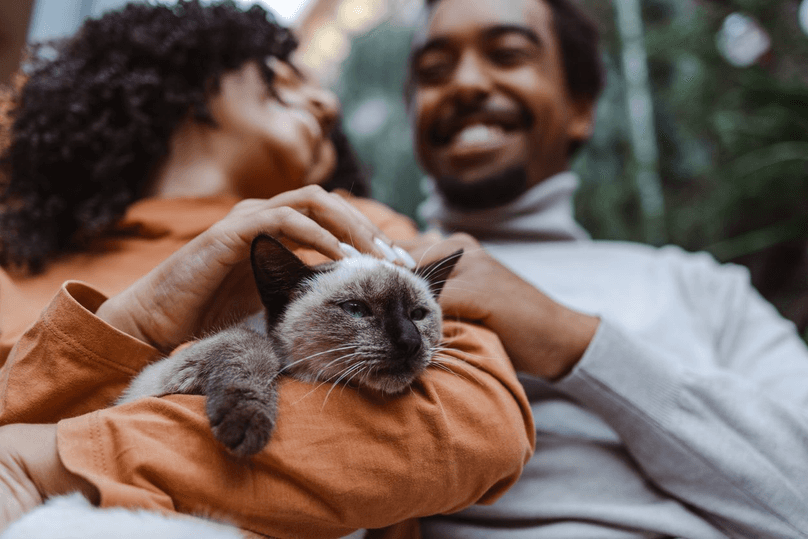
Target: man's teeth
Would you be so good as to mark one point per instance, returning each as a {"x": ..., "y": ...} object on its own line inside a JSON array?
[{"x": 478, "y": 133}]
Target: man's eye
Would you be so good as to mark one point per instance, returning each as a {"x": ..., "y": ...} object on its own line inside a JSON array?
[
  {"x": 431, "y": 74},
  {"x": 507, "y": 56},
  {"x": 433, "y": 67},
  {"x": 355, "y": 308}
]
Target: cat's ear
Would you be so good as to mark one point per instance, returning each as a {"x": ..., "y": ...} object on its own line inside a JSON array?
[
  {"x": 436, "y": 273},
  {"x": 278, "y": 271}
]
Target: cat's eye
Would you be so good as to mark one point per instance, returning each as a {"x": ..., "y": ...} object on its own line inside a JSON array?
[
  {"x": 356, "y": 309},
  {"x": 418, "y": 314}
]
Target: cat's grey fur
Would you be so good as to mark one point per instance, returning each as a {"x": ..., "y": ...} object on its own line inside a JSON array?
[{"x": 358, "y": 320}]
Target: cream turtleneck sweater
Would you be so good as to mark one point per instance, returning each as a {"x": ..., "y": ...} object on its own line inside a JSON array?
[{"x": 686, "y": 417}]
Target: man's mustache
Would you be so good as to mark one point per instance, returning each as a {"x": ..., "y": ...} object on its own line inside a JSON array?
[{"x": 459, "y": 117}]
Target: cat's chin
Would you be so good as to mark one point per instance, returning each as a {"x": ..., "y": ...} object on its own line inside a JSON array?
[{"x": 391, "y": 384}]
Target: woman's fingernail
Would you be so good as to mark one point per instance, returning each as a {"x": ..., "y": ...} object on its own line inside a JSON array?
[
  {"x": 404, "y": 256},
  {"x": 388, "y": 253},
  {"x": 349, "y": 250}
]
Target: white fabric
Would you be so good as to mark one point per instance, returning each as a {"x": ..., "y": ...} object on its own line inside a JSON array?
[
  {"x": 72, "y": 517},
  {"x": 686, "y": 417}
]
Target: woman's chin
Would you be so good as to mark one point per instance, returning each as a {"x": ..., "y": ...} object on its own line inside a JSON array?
[{"x": 324, "y": 165}]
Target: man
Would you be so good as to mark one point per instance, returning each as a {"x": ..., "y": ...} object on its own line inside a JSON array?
[{"x": 669, "y": 397}]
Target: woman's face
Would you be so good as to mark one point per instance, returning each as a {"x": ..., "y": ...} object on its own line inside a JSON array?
[{"x": 273, "y": 139}]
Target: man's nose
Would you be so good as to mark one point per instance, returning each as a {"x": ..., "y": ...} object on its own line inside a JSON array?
[
  {"x": 325, "y": 106},
  {"x": 471, "y": 81}
]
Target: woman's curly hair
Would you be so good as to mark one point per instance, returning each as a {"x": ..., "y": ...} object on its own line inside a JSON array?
[{"x": 90, "y": 125}]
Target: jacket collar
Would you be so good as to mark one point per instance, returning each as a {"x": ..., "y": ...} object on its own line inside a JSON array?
[{"x": 178, "y": 217}]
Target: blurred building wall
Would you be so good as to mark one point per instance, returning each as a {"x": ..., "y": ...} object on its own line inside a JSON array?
[
  {"x": 58, "y": 18},
  {"x": 14, "y": 19}
]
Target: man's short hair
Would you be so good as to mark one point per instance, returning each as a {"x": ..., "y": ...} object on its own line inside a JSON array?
[{"x": 578, "y": 40}]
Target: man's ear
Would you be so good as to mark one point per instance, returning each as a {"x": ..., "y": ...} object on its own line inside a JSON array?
[
  {"x": 436, "y": 273},
  {"x": 278, "y": 271},
  {"x": 582, "y": 118}
]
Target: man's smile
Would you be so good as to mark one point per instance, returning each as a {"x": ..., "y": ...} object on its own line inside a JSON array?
[{"x": 478, "y": 125}]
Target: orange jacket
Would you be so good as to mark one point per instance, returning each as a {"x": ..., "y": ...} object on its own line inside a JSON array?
[{"x": 351, "y": 461}]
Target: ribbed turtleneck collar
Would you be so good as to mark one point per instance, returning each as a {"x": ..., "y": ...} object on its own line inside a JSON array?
[{"x": 543, "y": 213}]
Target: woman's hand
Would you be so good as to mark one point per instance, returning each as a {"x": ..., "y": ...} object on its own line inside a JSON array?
[
  {"x": 208, "y": 283},
  {"x": 30, "y": 471},
  {"x": 542, "y": 337}
]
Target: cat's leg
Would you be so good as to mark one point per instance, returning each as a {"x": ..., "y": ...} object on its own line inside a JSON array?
[
  {"x": 181, "y": 372},
  {"x": 240, "y": 368},
  {"x": 236, "y": 369},
  {"x": 159, "y": 378}
]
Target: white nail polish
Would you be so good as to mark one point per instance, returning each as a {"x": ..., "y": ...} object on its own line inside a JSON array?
[
  {"x": 404, "y": 256},
  {"x": 385, "y": 249},
  {"x": 349, "y": 250}
]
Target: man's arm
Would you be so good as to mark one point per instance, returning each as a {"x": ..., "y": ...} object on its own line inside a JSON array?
[
  {"x": 728, "y": 437},
  {"x": 542, "y": 337}
]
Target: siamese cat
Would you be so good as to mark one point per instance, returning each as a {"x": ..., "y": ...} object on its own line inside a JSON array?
[{"x": 358, "y": 320}]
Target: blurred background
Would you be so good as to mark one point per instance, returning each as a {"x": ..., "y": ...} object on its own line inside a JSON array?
[{"x": 701, "y": 136}]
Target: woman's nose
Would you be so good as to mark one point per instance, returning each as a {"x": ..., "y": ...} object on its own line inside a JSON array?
[{"x": 325, "y": 107}]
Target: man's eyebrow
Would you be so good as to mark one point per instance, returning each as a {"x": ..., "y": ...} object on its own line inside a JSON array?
[
  {"x": 432, "y": 44},
  {"x": 487, "y": 34},
  {"x": 504, "y": 29}
]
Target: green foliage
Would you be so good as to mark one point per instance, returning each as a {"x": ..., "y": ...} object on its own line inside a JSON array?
[
  {"x": 374, "y": 74},
  {"x": 732, "y": 141}
]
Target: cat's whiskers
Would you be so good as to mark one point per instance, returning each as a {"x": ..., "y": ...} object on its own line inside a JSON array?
[
  {"x": 435, "y": 269},
  {"x": 365, "y": 369},
  {"x": 307, "y": 358},
  {"x": 470, "y": 354},
  {"x": 315, "y": 388},
  {"x": 442, "y": 363},
  {"x": 465, "y": 253},
  {"x": 322, "y": 373},
  {"x": 324, "y": 379},
  {"x": 353, "y": 367},
  {"x": 426, "y": 252}
]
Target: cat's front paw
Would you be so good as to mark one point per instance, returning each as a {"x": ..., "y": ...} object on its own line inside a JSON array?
[{"x": 240, "y": 420}]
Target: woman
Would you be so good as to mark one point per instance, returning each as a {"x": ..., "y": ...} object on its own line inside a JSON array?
[{"x": 143, "y": 160}]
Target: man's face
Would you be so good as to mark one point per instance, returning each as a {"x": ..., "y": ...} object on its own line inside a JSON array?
[{"x": 492, "y": 112}]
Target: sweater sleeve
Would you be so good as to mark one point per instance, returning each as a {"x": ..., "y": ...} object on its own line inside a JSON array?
[{"x": 729, "y": 438}]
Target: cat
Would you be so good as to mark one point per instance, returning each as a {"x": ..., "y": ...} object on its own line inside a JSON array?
[{"x": 358, "y": 320}]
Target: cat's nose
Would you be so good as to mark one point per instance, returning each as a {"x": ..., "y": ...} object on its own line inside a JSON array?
[
  {"x": 411, "y": 346},
  {"x": 408, "y": 340}
]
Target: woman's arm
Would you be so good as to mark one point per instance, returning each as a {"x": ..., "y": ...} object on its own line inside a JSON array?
[{"x": 335, "y": 464}]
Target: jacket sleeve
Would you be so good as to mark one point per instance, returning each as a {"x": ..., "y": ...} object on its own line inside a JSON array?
[
  {"x": 69, "y": 362},
  {"x": 729, "y": 437},
  {"x": 339, "y": 460}
]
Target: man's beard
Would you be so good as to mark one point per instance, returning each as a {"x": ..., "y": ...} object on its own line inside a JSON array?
[{"x": 485, "y": 193}]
